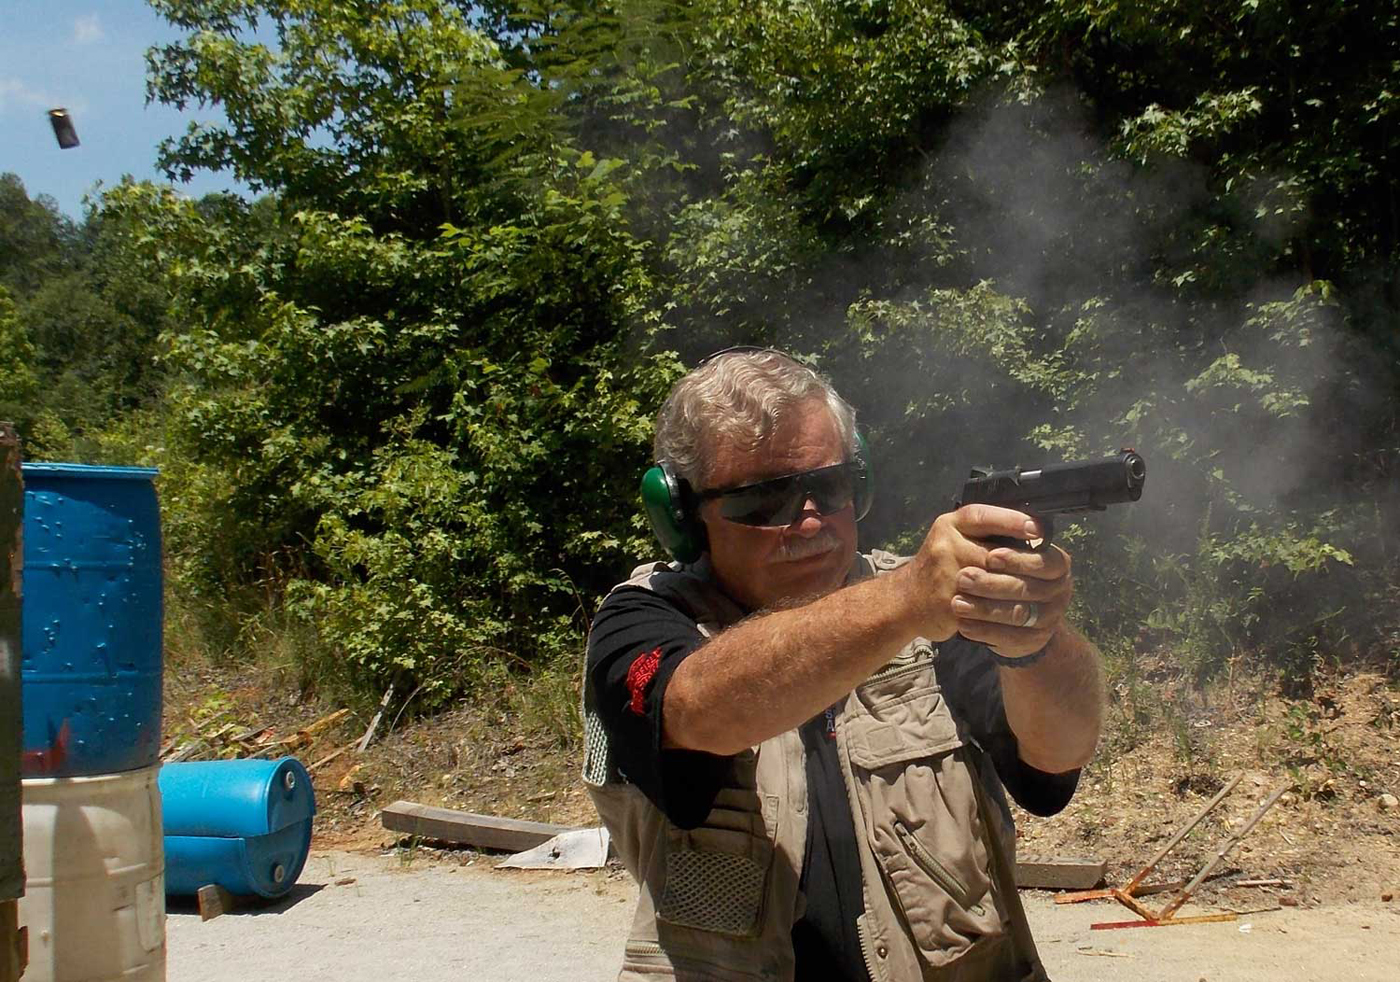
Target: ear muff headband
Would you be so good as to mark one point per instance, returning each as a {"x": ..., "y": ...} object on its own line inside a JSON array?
[
  {"x": 865, "y": 483},
  {"x": 672, "y": 507}
]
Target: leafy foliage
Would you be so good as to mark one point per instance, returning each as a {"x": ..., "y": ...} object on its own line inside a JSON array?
[
  {"x": 413, "y": 373},
  {"x": 408, "y": 392},
  {"x": 85, "y": 325}
]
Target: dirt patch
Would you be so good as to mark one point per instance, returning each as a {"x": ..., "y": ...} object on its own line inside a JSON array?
[
  {"x": 478, "y": 758},
  {"x": 364, "y": 918},
  {"x": 1167, "y": 749},
  {"x": 1331, "y": 835}
]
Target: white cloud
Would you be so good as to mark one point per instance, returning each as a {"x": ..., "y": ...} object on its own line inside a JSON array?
[
  {"x": 19, "y": 98},
  {"x": 14, "y": 94},
  {"x": 87, "y": 29}
]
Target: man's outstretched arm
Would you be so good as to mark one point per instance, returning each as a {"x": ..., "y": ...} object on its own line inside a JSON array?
[{"x": 774, "y": 671}]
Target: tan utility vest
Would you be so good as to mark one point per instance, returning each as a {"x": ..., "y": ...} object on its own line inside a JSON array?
[{"x": 718, "y": 902}]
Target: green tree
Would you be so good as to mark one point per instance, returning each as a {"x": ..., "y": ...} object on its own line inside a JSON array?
[
  {"x": 1111, "y": 224},
  {"x": 90, "y": 325},
  {"x": 36, "y": 240},
  {"x": 417, "y": 367},
  {"x": 18, "y": 397},
  {"x": 414, "y": 383}
]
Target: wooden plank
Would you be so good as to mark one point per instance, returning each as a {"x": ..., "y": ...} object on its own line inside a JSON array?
[
  {"x": 324, "y": 723},
  {"x": 1173, "y": 922},
  {"x": 251, "y": 735},
  {"x": 306, "y": 736},
  {"x": 1079, "y": 896},
  {"x": 329, "y": 757},
  {"x": 187, "y": 751},
  {"x": 1141, "y": 875},
  {"x": 1128, "y": 901},
  {"x": 221, "y": 734},
  {"x": 482, "y": 831},
  {"x": 1190, "y": 888},
  {"x": 1060, "y": 873}
]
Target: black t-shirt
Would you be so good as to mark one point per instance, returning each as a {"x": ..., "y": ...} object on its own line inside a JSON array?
[
  {"x": 825, "y": 940},
  {"x": 637, "y": 641}
]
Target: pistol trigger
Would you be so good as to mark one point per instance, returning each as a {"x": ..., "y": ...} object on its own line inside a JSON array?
[{"x": 1007, "y": 542}]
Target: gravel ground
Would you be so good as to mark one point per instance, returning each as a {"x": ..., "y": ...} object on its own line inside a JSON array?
[{"x": 366, "y": 918}]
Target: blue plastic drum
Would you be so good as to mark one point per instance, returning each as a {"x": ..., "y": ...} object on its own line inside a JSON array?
[
  {"x": 92, "y": 609},
  {"x": 242, "y": 824}
]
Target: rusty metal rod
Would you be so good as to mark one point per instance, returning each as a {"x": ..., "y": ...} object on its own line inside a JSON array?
[
  {"x": 1173, "y": 922},
  {"x": 1230, "y": 843},
  {"x": 1128, "y": 900},
  {"x": 1111, "y": 893},
  {"x": 1079, "y": 896}
]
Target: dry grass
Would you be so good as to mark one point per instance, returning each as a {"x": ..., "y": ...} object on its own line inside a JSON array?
[
  {"x": 1169, "y": 747},
  {"x": 513, "y": 751}
]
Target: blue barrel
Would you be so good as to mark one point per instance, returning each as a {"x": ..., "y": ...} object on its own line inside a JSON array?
[
  {"x": 242, "y": 824},
  {"x": 91, "y": 667}
]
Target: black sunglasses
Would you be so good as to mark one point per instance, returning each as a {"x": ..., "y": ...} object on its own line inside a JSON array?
[{"x": 780, "y": 501}]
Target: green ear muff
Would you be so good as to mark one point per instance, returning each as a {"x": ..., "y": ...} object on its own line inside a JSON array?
[{"x": 671, "y": 510}]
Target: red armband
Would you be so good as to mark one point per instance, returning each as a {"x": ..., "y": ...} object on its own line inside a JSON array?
[{"x": 639, "y": 676}]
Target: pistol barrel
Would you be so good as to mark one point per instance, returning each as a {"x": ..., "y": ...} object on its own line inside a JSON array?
[{"x": 1083, "y": 485}]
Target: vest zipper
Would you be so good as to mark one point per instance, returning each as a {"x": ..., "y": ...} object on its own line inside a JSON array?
[
  {"x": 643, "y": 948},
  {"x": 939, "y": 873},
  {"x": 877, "y": 971},
  {"x": 864, "y": 935},
  {"x": 894, "y": 668}
]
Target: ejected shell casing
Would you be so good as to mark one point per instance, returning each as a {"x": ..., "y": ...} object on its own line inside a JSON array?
[{"x": 63, "y": 128}]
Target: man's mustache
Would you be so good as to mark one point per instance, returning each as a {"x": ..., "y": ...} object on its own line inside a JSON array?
[{"x": 796, "y": 547}]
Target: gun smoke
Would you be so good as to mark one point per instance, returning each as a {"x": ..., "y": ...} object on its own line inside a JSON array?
[{"x": 1234, "y": 394}]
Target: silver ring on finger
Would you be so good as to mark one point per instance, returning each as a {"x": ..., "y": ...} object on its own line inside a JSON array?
[{"x": 1032, "y": 615}]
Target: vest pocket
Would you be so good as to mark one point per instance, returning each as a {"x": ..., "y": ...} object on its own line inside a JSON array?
[
  {"x": 715, "y": 881},
  {"x": 935, "y": 869},
  {"x": 922, "y": 823}
]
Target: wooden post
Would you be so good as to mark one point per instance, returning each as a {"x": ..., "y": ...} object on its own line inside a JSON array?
[
  {"x": 13, "y": 950},
  {"x": 215, "y": 900}
]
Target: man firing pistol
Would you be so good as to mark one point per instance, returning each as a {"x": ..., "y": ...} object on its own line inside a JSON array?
[{"x": 801, "y": 751}]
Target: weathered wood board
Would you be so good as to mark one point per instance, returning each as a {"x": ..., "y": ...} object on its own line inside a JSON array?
[
  {"x": 465, "y": 828},
  {"x": 1059, "y": 873}
]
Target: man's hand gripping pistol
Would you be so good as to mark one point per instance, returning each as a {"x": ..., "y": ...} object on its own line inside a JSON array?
[{"x": 1058, "y": 489}]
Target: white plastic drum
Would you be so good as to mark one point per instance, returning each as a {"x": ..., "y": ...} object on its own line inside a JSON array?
[{"x": 95, "y": 878}]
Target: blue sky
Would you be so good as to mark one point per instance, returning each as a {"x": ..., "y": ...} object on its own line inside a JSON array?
[{"x": 89, "y": 56}]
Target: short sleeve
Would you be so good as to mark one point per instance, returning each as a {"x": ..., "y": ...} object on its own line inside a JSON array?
[
  {"x": 637, "y": 641},
  {"x": 972, "y": 687}
]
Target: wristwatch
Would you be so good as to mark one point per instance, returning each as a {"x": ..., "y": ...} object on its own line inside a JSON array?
[{"x": 1024, "y": 661}]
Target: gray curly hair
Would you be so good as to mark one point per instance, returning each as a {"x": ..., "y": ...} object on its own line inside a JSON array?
[{"x": 738, "y": 397}]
